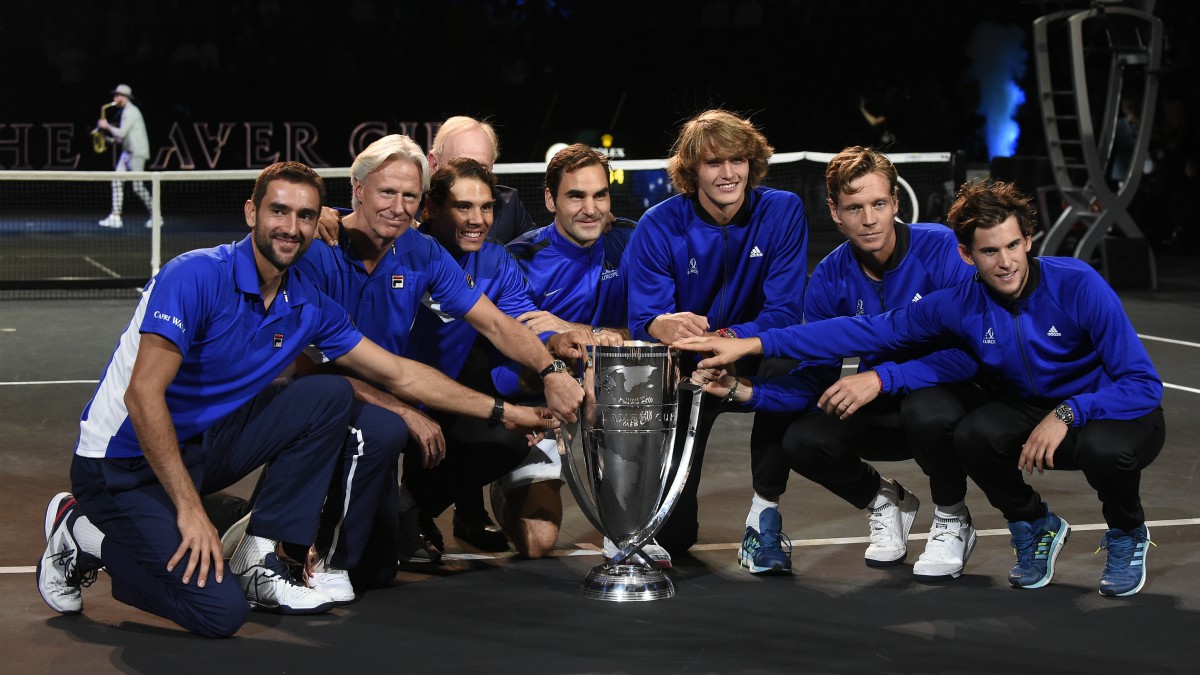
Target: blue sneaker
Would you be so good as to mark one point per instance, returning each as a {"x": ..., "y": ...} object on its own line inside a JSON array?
[
  {"x": 1125, "y": 570},
  {"x": 1037, "y": 544},
  {"x": 763, "y": 549}
]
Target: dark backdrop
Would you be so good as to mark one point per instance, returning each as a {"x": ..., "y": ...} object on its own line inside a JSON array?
[{"x": 555, "y": 70}]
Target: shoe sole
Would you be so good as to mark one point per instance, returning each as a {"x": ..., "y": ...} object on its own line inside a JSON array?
[
  {"x": 954, "y": 574},
  {"x": 773, "y": 571},
  {"x": 872, "y": 562},
  {"x": 337, "y": 601},
  {"x": 1056, "y": 546},
  {"x": 292, "y": 611},
  {"x": 52, "y": 517}
]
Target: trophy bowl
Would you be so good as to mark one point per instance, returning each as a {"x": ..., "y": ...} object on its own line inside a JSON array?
[{"x": 618, "y": 460}]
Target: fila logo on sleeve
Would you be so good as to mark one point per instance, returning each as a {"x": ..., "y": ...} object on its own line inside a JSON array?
[
  {"x": 277, "y": 341},
  {"x": 397, "y": 281},
  {"x": 1053, "y": 332}
]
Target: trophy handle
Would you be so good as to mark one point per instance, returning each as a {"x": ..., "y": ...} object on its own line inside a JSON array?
[
  {"x": 685, "y": 465},
  {"x": 573, "y": 480}
]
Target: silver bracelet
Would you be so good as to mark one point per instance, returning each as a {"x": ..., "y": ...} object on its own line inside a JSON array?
[{"x": 732, "y": 390}]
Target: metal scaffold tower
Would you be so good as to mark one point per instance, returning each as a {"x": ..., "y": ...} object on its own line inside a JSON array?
[{"x": 1114, "y": 51}]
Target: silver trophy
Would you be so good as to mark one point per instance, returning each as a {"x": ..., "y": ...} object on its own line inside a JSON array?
[{"x": 618, "y": 459}]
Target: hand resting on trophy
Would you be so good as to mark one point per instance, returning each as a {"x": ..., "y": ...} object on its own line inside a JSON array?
[
  {"x": 572, "y": 343},
  {"x": 722, "y": 351}
]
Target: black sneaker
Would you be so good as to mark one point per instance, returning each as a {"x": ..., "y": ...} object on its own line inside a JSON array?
[
  {"x": 431, "y": 531},
  {"x": 411, "y": 546},
  {"x": 479, "y": 531}
]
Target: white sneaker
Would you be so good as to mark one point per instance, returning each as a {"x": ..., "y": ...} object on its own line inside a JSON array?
[
  {"x": 890, "y": 525},
  {"x": 113, "y": 220},
  {"x": 330, "y": 580},
  {"x": 270, "y": 586},
  {"x": 59, "y": 579},
  {"x": 950, "y": 544},
  {"x": 656, "y": 553}
]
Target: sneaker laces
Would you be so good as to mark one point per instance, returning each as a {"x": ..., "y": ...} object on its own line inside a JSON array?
[
  {"x": 74, "y": 576},
  {"x": 281, "y": 567},
  {"x": 879, "y": 529},
  {"x": 940, "y": 542},
  {"x": 1030, "y": 547},
  {"x": 775, "y": 539},
  {"x": 1120, "y": 551},
  {"x": 1023, "y": 547},
  {"x": 89, "y": 577}
]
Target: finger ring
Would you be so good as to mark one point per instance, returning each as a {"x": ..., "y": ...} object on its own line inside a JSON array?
[{"x": 845, "y": 404}]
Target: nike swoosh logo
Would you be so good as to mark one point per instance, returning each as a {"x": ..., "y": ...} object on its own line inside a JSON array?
[{"x": 550, "y": 293}]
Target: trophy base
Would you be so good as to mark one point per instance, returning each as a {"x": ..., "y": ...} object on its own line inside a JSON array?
[{"x": 627, "y": 583}]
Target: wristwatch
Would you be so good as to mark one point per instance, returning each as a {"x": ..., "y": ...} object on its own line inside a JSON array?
[
  {"x": 497, "y": 415},
  {"x": 556, "y": 366},
  {"x": 1064, "y": 413}
]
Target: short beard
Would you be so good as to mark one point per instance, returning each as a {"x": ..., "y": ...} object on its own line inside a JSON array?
[{"x": 263, "y": 244}]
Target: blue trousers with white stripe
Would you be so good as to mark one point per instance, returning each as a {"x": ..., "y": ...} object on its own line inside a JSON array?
[
  {"x": 365, "y": 478},
  {"x": 297, "y": 430}
]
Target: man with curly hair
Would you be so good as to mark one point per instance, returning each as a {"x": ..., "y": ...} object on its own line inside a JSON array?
[{"x": 725, "y": 256}]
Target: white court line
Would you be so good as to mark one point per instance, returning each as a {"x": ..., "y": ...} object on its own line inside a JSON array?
[
  {"x": 102, "y": 268},
  {"x": 588, "y": 549},
  {"x": 13, "y": 384},
  {"x": 1169, "y": 340},
  {"x": 1176, "y": 386}
]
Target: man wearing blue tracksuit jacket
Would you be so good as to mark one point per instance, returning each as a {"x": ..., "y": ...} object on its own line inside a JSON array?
[
  {"x": 894, "y": 410},
  {"x": 723, "y": 256},
  {"x": 573, "y": 269},
  {"x": 1081, "y": 392}
]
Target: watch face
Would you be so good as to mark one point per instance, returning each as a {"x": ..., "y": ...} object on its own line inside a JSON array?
[{"x": 1063, "y": 412}]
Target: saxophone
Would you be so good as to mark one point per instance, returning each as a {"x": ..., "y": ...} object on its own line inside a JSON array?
[{"x": 99, "y": 140}]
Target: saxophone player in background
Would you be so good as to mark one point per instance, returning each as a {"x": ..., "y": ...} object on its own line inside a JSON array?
[{"x": 135, "y": 150}]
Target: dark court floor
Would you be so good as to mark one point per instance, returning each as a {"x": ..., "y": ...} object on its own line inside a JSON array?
[{"x": 499, "y": 614}]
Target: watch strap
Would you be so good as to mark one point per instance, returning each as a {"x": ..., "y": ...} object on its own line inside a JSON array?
[
  {"x": 556, "y": 366},
  {"x": 497, "y": 415}
]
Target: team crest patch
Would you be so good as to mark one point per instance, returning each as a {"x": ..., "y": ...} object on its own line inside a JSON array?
[
  {"x": 277, "y": 341},
  {"x": 397, "y": 281}
]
